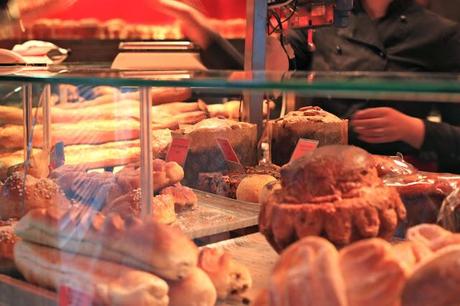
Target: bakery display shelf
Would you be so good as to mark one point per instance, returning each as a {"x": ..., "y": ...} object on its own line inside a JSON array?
[
  {"x": 392, "y": 86},
  {"x": 217, "y": 215},
  {"x": 255, "y": 253}
]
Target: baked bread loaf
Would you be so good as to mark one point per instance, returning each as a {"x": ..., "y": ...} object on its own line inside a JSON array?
[
  {"x": 21, "y": 193},
  {"x": 309, "y": 122},
  {"x": 373, "y": 273},
  {"x": 392, "y": 166},
  {"x": 333, "y": 192},
  {"x": 111, "y": 283},
  {"x": 410, "y": 253},
  {"x": 204, "y": 153},
  {"x": 184, "y": 198},
  {"x": 307, "y": 273},
  {"x": 130, "y": 205},
  {"x": 250, "y": 188},
  {"x": 146, "y": 245},
  {"x": 195, "y": 290},
  {"x": 230, "y": 278},
  {"x": 436, "y": 281},
  {"x": 432, "y": 236}
]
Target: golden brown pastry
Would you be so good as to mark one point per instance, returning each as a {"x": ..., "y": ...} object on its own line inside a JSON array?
[
  {"x": 431, "y": 235},
  {"x": 436, "y": 281},
  {"x": 146, "y": 245},
  {"x": 333, "y": 192},
  {"x": 230, "y": 278},
  {"x": 372, "y": 273},
  {"x": 184, "y": 198},
  {"x": 195, "y": 290},
  {"x": 250, "y": 188},
  {"x": 130, "y": 205},
  {"x": 22, "y": 193},
  {"x": 410, "y": 253},
  {"x": 7, "y": 240},
  {"x": 111, "y": 283},
  {"x": 308, "y": 273}
]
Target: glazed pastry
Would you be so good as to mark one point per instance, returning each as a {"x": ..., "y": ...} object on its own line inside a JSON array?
[{"x": 333, "y": 192}]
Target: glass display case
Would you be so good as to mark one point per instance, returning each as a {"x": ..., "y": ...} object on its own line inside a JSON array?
[{"x": 143, "y": 187}]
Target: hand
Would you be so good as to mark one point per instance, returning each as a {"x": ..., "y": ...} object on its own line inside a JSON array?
[
  {"x": 196, "y": 26},
  {"x": 385, "y": 124}
]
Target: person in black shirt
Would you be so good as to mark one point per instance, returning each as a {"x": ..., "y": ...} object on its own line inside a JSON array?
[{"x": 383, "y": 35}]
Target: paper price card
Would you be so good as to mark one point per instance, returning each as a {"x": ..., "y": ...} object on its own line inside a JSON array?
[
  {"x": 227, "y": 150},
  {"x": 178, "y": 150},
  {"x": 303, "y": 147}
]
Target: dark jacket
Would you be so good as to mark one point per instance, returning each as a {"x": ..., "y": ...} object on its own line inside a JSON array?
[{"x": 408, "y": 38}]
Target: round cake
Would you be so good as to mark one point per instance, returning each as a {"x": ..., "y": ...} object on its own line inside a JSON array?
[
  {"x": 310, "y": 122},
  {"x": 333, "y": 192}
]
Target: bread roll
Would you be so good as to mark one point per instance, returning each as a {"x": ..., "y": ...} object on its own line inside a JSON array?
[
  {"x": 195, "y": 290},
  {"x": 410, "y": 253},
  {"x": 230, "y": 278},
  {"x": 112, "y": 284},
  {"x": 184, "y": 197},
  {"x": 435, "y": 282},
  {"x": 250, "y": 188},
  {"x": 147, "y": 245},
  {"x": 22, "y": 193},
  {"x": 130, "y": 205},
  {"x": 307, "y": 273},
  {"x": 372, "y": 273},
  {"x": 430, "y": 235}
]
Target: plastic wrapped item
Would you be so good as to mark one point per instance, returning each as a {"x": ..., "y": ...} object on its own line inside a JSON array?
[
  {"x": 423, "y": 193},
  {"x": 449, "y": 215},
  {"x": 388, "y": 166}
]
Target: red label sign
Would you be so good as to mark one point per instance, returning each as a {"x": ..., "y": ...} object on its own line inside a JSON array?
[
  {"x": 303, "y": 147},
  {"x": 178, "y": 150},
  {"x": 69, "y": 296},
  {"x": 227, "y": 150}
]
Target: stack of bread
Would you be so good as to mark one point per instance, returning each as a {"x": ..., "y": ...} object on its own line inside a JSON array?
[
  {"x": 424, "y": 270},
  {"x": 122, "y": 260}
]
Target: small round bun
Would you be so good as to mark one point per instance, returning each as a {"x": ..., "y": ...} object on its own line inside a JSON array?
[{"x": 251, "y": 187}]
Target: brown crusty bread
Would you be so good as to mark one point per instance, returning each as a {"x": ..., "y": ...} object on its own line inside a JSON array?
[
  {"x": 195, "y": 290},
  {"x": 110, "y": 283},
  {"x": 146, "y": 245}
]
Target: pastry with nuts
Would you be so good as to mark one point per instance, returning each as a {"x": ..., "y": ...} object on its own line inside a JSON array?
[
  {"x": 7, "y": 239},
  {"x": 309, "y": 122},
  {"x": 21, "y": 193}
]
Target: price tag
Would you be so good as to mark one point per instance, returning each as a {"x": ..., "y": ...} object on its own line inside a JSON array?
[
  {"x": 57, "y": 156},
  {"x": 303, "y": 147},
  {"x": 70, "y": 296},
  {"x": 227, "y": 150},
  {"x": 178, "y": 150}
]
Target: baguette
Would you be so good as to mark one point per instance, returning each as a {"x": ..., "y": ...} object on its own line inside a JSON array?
[
  {"x": 146, "y": 245},
  {"x": 112, "y": 284}
]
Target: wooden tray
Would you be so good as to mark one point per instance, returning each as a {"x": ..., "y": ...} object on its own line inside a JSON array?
[{"x": 216, "y": 215}]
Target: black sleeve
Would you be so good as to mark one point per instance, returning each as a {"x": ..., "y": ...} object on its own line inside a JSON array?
[
  {"x": 447, "y": 57},
  {"x": 221, "y": 54},
  {"x": 303, "y": 57},
  {"x": 443, "y": 141}
]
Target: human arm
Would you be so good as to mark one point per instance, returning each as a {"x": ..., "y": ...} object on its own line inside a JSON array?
[{"x": 385, "y": 124}]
